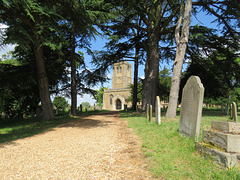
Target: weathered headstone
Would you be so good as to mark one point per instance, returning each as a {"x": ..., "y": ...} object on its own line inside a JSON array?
[
  {"x": 158, "y": 110},
  {"x": 38, "y": 112},
  {"x": 191, "y": 107},
  {"x": 227, "y": 109},
  {"x": 150, "y": 113},
  {"x": 32, "y": 113},
  {"x": 80, "y": 108},
  {"x": 221, "y": 143},
  {"x": 125, "y": 107},
  {"x": 147, "y": 114},
  {"x": 234, "y": 112},
  {"x": 231, "y": 111}
]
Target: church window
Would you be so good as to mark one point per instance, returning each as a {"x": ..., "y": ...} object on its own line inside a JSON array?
[
  {"x": 111, "y": 96},
  {"x": 120, "y": 69},
  {"x": 117, "y": 70}
]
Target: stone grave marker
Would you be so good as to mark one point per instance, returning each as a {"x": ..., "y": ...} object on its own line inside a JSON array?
[
  {"x": 125, "y": 107},
  {"x": 221, "y": 143},
  {"x": 234, "y": 112},
  {"x": 191, "y": 107},
  {"x": 38, "y": 112},
  {"x": 231, "y": 111},
  {"x": 158, "y": 111},
  {"x": 150, "y": 113},
  {"x": 147, "y": 114},
  {"x": 80, "y": 108}
]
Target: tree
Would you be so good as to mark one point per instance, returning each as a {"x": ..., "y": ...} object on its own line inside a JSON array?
[
  {"x": 164, "y": 84},
  {"x": 181, "y": 43},
  {"x": 226, "y": 14},
  {"x": 99, "y": 96},
  {"x": 139, "y": 91},
  {"x": 155, "y": 21},
  {"x": 19, "y": 94},
  {"x": 86, "y": 105},
  {"x": 33, "y": 24},
  {"x": 81, "y": 19},
  {"x": 60, "y": 103}
]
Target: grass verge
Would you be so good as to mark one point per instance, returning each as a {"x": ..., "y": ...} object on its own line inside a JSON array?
[{"x": 172, "y": 156}]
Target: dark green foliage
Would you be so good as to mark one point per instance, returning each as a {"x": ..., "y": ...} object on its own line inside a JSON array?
[
  {"x": 18, "y": 90},
  {"x": 164, "y": 84},
  {"x": 215, "y": 59},
  {"x": 86, "y": 105},
  {"x": 60, "y": 103},
  {"x": 99, "y": 96}
]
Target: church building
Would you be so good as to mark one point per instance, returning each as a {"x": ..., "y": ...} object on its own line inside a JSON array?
[{"x": 115, "y": 98}]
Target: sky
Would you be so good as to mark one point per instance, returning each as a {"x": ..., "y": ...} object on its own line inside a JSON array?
[{"x": 99, "y": 43}]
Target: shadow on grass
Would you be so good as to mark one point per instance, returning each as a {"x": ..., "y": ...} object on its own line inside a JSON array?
[{"x": 17, "y": 128}]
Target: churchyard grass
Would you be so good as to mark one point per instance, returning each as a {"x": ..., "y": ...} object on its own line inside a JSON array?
[
  {"x": 173, "y": 156},
  {"x": 17, "y": 128}
]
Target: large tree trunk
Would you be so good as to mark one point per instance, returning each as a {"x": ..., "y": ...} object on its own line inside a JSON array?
[
  {"x": 151, "y": 71},
  {"x": 135, "y": 83},
  {"x": 43, "y": 84},
  {"x": 73, "y": 74},
  {"x": 181, "y": 42}
]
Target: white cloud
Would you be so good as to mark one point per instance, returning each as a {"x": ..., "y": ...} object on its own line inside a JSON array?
[{"x": 142, "y": 77}]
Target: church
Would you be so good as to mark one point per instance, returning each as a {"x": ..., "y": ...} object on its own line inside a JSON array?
[{"x": 115, "y": 98}]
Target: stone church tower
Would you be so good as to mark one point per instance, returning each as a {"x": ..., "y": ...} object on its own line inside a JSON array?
[{"x": 115, "y": 98}]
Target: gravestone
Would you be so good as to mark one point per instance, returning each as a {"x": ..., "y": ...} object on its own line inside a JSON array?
[
  {"x": 234, "y": 112},
  {"x": 32, "y": 113},
  {"x": 125, "y": 107},
  {"x": 231, "y": 111},
  {"x": 80, "y": 108},
  {"x": 38, "y": 112},
  {"x": 150, "y": 113},
  {"x": 147, "y": 114},
  {"x": 221, "y": 143},
  {"x": 158, "y": 110},
  {"x": 191, "y": 107}
]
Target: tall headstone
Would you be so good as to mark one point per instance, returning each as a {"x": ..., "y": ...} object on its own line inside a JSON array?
[
  {"x": 191, "y": 107},
  {"x": 231, "y": 110},
  {"x": 80, "y": 108},
  {"x": 147, "y": 114},
  {"x": 125, "y": 107},
  {"x": 150, "y": 113},
  {"x": 38, "y": 112},
  {"x": 234, "y": 112},
  {"x": 158, "y": 110}
]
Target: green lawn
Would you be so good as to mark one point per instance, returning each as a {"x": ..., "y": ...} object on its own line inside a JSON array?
[{"x": 172, "y": 156}]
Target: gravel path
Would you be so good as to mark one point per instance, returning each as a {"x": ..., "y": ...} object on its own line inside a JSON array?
[{"x": 95, "y": 147}]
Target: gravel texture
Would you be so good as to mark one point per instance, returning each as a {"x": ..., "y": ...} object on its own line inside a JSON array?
[{"x": 95, "y": 147}]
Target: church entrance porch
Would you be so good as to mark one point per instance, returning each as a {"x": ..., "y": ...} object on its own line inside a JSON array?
[{"x": 118, "y": 104}]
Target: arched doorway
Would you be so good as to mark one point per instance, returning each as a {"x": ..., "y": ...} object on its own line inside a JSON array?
[{"x": 118, "y": 104}]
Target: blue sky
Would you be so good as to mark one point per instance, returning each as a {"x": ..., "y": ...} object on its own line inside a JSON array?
[{"x": 99, "y": 43}]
